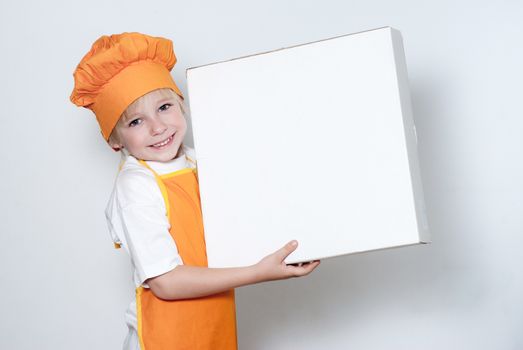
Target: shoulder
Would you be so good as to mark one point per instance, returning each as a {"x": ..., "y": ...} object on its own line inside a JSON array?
[
  {"x": 190, "y": 153},
  {"x": 135, "y": 184}
]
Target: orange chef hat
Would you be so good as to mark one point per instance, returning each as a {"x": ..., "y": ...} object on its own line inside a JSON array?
[{"x": 119, "y": 69}]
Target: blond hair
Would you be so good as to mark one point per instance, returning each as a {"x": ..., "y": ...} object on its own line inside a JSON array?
[{"x": 139, "y": 102}]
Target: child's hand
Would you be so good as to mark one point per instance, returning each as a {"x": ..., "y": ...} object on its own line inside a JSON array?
[
  {"x": 186, "y": 282},
  {"x": 273, "y": 267}
]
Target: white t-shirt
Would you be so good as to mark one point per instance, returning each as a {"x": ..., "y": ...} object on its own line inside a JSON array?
[{"x": 137, "y": 220}]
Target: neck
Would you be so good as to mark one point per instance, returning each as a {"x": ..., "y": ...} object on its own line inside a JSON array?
[{"x": 180, "y": 152}]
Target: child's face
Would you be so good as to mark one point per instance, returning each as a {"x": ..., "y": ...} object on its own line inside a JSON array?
[{"x": 152, "y": 128}]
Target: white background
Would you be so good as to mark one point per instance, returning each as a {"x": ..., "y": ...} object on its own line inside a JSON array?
[{"x": 65, "y": 287}]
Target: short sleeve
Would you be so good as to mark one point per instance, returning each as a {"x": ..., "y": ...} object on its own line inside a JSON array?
[{"x": 137, "y": 217}]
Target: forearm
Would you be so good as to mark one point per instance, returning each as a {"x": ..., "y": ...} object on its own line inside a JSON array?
[{"x": 185, "y": 282}]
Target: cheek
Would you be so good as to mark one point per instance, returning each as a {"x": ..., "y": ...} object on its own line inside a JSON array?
[
  {"x": 132, "y": 139},
  {"x": 181, "y": 123}
]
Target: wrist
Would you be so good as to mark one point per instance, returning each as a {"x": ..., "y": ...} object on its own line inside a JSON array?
[{"x": 256, "y": 273}]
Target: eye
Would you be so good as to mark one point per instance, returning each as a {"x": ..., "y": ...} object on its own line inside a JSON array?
[
  {"x": 165, "y": 107},
  {"x": 135, "y": 122}
]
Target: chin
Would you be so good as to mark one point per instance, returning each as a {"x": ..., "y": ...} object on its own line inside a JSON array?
[{"x": 170, "y": 155}]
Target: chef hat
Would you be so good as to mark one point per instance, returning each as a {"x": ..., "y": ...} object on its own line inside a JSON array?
[{"x": 119, "y": 69}]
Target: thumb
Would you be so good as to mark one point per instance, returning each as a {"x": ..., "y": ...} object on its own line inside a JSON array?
[{"x": 287, "y": 250}]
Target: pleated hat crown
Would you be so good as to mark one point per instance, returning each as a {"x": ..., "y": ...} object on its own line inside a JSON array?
[{"x": 119, "y": 69}]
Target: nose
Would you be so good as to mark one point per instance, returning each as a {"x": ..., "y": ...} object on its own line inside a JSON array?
[{"x": 158, "y": 127}]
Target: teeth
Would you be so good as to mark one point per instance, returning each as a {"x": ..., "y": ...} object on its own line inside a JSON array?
[{"x": 163, "y": 143}]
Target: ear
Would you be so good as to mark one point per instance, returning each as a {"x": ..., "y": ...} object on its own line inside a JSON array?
[{"x": 115, "y": 146}]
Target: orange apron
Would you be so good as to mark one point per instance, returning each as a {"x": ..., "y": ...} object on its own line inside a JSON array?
[{"x": 207, "y": 323}]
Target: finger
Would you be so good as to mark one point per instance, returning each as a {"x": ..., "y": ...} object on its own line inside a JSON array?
[
  {"x": 303, "y": 263},
  {"x": 304, "y": 269},
  {"x": 309, "y": 268},
  {"x": 287, "y": 249}
]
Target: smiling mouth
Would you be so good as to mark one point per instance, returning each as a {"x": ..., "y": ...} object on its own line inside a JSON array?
[{"x": 163, "y": 143}]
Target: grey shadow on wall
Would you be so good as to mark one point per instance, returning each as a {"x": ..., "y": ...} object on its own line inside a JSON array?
[{"x": 346, "y": 291}]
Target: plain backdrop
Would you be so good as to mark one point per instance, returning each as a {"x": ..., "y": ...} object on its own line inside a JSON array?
[{"x": 65, "y": 287}]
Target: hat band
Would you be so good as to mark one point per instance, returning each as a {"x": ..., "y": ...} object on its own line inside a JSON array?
[{"x": 125, "y": 87}]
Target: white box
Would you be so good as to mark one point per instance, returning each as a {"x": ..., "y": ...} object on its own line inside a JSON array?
[{"x": 314, "y": 142}]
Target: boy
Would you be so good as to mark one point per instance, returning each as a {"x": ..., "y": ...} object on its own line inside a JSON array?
[{"x": 154, "y": 211}]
